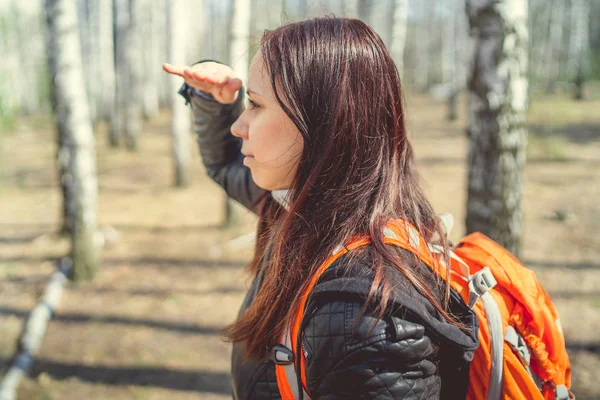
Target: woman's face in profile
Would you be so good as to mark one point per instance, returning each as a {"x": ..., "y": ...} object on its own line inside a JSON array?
[{"x": 270, "y": 140}]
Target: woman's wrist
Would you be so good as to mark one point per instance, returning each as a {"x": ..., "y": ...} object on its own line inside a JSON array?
[{"x": 187, "y": 91}]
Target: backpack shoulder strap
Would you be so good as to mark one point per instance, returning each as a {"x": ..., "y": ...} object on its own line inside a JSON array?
[
  {"x": 287, "y": 381},
  {"x": 397, "y": 232}
]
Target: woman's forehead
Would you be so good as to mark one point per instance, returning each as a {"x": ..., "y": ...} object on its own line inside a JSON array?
[{"x": 258, "y": 81}]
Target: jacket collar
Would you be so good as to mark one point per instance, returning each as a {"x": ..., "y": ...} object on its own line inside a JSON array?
[{"x": 282, "y": 196}]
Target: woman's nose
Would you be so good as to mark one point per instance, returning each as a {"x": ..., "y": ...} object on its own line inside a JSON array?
[{"x": 239, "y": 129}]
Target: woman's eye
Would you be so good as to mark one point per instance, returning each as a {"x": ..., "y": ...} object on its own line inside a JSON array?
[{"x": 253, "y": 104}]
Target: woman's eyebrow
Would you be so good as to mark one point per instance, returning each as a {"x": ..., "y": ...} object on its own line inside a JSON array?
[{"x": 251, "y": 92}]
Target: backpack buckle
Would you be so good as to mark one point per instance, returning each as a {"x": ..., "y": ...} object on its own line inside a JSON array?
[
  {"x": 481, "y": 282},
  {"x": 281, "y": 355},
  {"x": 561, "y": 392}
]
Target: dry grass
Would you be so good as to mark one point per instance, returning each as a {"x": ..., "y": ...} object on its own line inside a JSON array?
[{"x": 148, "y": 326}]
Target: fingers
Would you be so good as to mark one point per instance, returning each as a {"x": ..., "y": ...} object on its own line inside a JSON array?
[
  {"x": 229, "y": 91},
  {"x": 234, "y": 84},
  {"x": 173, "y": 69},
  {"x": 210, "y": 77}
]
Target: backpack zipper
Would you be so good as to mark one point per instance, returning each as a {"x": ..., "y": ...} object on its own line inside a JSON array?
[{"x": 304, "y": 342}]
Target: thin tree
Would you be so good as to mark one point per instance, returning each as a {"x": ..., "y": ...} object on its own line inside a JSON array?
[
  {"x": 351, "y": 8},
  {"x": 133, "y": 119},
  {"x": 555, "y": 38},
  {"x": 128, "y": 105},
  {"x": 382, "y": 17},
  {"x": 399, "y": 27},
  {"x": 88, "y": 38},
  {"x": 239, "y": 61},
  {"x": 457, "y": 47},
  {"x": 151, "y": 20},
  {"x": 73, "y": 122},
  {"x": 423, "y": 43},
  {"x": 579, "y": 45},
  {"x": 497, "y": 109},
  {"x": 180, "y": 121},
  {"x": 106, "y": 60},
  {"x": 122, "y": 79}
]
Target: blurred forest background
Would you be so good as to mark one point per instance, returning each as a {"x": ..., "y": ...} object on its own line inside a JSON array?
[{"x": 167, "y": 251}]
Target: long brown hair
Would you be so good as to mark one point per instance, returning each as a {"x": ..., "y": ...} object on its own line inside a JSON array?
[{"x": 339, "y": 85}]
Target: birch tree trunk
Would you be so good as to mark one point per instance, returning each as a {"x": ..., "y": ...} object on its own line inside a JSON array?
[
  {"x": 399, "y": 26},
  {"x": 423, "y": 39},
  {"x": 122, "y": 79},
  {"x": 364, "y": 10},
  {"x": 383, "y": 19},
  {"x": 554, "y": 50},
  {"x": 128, "y": 66},
  {"x": 448, "y": 39},
  {"x": 351, "y": 8},
  {"x": 88, "y": 34},
  {"x": 274, "y": 10},
  {"x": 73, "y": 121},
  {"x": 133, "y": 119},
  {"x": 181, "y": 120},
  {"x": 497, "y": 109},
  {"x": 28, "y": 42},
  {"x": 160, "y": 30},
  {"x": 239, "y": 61},
  {"x": 151, "y": 56},
  {"x": 579, "y": 45},
  {"x": 106, "y": 62}
]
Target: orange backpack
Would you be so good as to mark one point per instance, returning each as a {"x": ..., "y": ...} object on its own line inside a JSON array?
[{"x": 522, "y": 352}]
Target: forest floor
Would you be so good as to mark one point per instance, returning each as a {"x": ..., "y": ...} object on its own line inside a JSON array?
[{"x": 148, "y": 327}]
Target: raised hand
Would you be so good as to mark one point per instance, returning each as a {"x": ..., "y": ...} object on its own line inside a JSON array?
[{"x": 210, "y": 77}]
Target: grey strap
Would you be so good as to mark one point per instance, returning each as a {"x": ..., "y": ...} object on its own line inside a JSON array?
[
  {"x": 290, "y": 369},
  {"x": 494, "y": 319},
  {"x": 481, "y": 282},
  {"x": 515, "y": 340}
]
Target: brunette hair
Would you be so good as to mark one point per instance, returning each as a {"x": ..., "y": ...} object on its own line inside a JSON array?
[{"x": 338, "y": 83}]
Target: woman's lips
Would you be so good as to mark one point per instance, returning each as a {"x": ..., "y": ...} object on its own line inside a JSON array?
[{"x": 247, "y": 158}]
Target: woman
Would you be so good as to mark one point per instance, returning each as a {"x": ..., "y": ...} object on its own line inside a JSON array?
[{"x": 321, "y": 154}]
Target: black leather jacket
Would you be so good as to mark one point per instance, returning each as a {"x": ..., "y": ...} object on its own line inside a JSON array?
[{"x": 411, "y": 353}]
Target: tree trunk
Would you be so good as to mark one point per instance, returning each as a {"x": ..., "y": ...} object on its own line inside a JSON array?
[
  {"x": 9, "y": 68},
  {"x": 556, "y": 39},
  {"x": 88, "y": 35},
  {"x": 365, "y": 10},
  {"x": 382, "y": 12},
  {"x": 181, "y": 120},
  {"x": 452, "y": 57},
  {"x": 238, "y": 56},
  {"x": 423, "y": 38},
  {"x": 274, "y": 11},
  {"x": 351, "y": 8},
  {"x": 122, "y": 79},
  {"x": 133, "y": 119},
  {"x": 106, "y": 60},
  {"x": 579, "y": 45},
  {"x": 399, "y": 26},
  {"x": 448, "y": 41},
  {"x": 73, "y": 120},
  {"x": 497, "y": 111},
  {"x": 151, "y": 57}
]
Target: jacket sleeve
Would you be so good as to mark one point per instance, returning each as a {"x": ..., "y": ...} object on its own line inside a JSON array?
[
  {"x": 387, "y": 359},
  {"x": 220, "y": 150}
]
